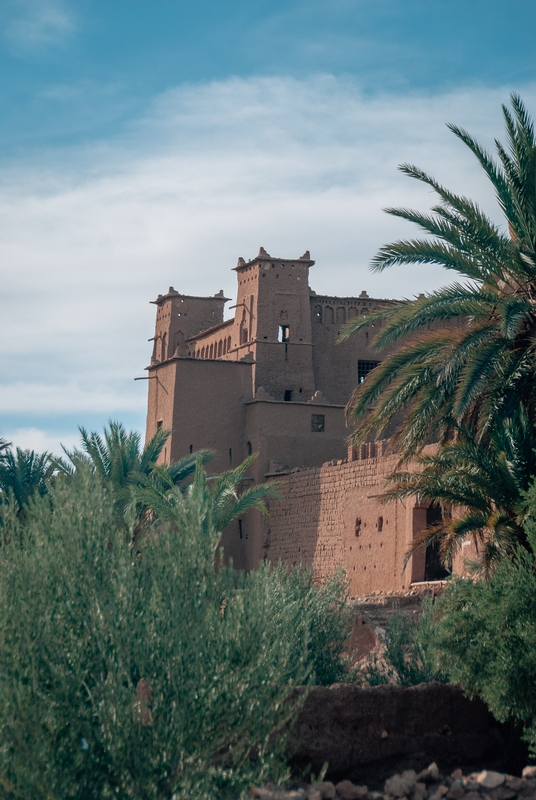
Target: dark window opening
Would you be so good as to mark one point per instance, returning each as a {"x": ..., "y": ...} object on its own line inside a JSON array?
[
  {"x": 191, "y": 448},
  {"x": 240, "y": 527},
  {"x": 284, "y": 333},
  {"x": 363, "y": 369},
  {"x": 230, "y": 455},
  {"x": 288, "y": 395},
  {"x": 250, "y": 449},
  {"x": 317, "y": 423},
  {"x": 434, "y": 569},
  {"x": 379, "y": 524},
  {"x": 159, "y": 423},
  {"x": 357, "y": 526}
]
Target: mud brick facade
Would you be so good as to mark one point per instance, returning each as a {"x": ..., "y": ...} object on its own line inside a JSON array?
[{"x": 272, "y": 380}]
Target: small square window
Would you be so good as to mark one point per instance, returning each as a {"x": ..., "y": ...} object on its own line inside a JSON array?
[
  {"x": 317, "y": 423},
  {"x": 284, "y": 333},
  {"x": 363, "y": 369}
]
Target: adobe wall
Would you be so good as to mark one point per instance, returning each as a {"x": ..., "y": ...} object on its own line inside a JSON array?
[
  {"x": 203, "y": 404},
  {"x": 283, "y": 433},
  {"x": 332, "y": 517},
  {"x": 335, "y": 365}
]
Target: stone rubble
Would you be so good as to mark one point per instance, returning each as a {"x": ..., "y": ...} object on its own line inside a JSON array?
[{"x": 429, "y": 784}]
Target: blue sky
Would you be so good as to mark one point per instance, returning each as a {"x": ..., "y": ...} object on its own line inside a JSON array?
[{"x": 145, "y": 144}]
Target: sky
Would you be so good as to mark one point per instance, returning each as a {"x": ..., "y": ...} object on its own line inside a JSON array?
[{"x": 149, "y": 144}]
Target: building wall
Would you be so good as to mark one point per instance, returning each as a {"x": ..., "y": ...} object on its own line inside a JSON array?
[
  {"x": 202, "y": 403},
  {"x": 332, "y": 517},
  {"x": 253, "y": 384}
]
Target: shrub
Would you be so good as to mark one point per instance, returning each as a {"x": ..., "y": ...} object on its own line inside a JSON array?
[
  {"x": 485, "y": 635},
  {"x": 146, "y": 673},
  {"x": 324, "y": 620},
  {"x": 408, "y": 658}
]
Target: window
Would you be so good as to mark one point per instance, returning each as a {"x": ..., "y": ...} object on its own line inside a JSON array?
[
  {"x": 363, "y": 369},
  {"x": 250, "y": 449},
  {"x": 288, "y": 395},
  {"x": 284, "y": 333},
  {"x": 357, "y": 528},
  {"x": 317, "y": 423},
  {"x": 191, "y": 448},
  {"x": 159, "y": 423}
]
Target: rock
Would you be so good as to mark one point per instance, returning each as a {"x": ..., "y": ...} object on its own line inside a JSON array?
[
  {"x": 456, "y": 791},
  {"x": 489, "y": 779},
  {"x": 385, "y": 735},
  {"x": 430, "y": 775},
  {"x": 419, "y": 792},
  {"x": 473, "y": 796},
  {"x": 457, "y": 775},
  {"x": 326, "y": 789},
  {"x": 502, "y": 793},
  {"x": 516, "y": 784},
  {"x": 401, "y": 785},
  {"x": 314, "y": 795},
  {"x": 529, "y": 772},
  {"x": 349, "y": 791},
  {"x": 376, "y": 796}
]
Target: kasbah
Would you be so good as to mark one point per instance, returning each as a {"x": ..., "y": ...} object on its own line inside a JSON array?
[{"x": 274, "y": 381}]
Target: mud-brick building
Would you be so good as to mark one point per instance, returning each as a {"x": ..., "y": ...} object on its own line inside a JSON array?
[{"x": 272, "y": 380}]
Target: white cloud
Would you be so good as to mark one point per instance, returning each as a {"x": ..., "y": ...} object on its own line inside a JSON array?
[
  {"x": 37, "y": 24},
  {"x": 41, "y": 441},
  {"x": 89, "y": 236}
]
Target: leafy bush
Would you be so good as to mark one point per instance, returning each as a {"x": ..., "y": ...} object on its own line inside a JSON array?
[
  {"x": 408, "y": 658},
  {"x": 143, "y": 672},
  {"x": 485, "y": 635},
  {"x": 324, "y": 613}
]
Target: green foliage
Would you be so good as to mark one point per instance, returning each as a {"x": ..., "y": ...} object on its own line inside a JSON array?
[
  {"x": 118, "y": 458},
  {"x": 224, "y": 502},
  {"x": 23, "y": 474},
  {"x": 485, "y": 635},
  {"x": 409, "y": 658},
  {"x": 325, "y": 614},
  {"x": 464, "y": 355},
  {"x": 482, "y": 483},
  {"x": 145, "y": 672}
]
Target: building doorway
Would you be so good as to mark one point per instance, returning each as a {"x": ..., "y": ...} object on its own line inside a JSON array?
[{"x": 434, "y": 569}]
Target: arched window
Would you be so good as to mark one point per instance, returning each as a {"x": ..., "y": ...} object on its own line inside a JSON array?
[
  {"x": 211, "y": 351},
  {"x": 224, "y": 346},
  {"x": 228, "y": 344},
  {"x": 352, "y": 312},
  {"x": 318, "y": 313},
  {"x": 220, "y": 348},
  {"x": 328, "y": 315},
  {"x": 341, "y": 315}
]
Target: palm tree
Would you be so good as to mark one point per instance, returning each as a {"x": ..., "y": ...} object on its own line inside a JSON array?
[
  {"x": 216, "y": 500},
  {"x": 481, "y": 490},
  {"x": 120, "y": 461},
  {"x": 23, "y": 474},
  {"x": 466, "y": 354}
]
